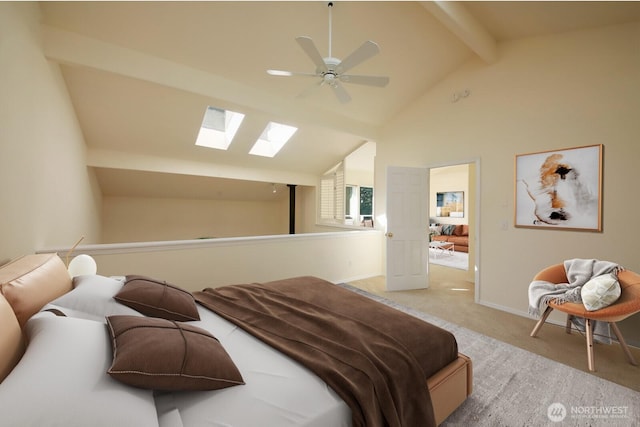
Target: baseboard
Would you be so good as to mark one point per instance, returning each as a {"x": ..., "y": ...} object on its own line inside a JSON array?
[
  {"x": 508, "y": 310},
  {"x": 353, "y": 278},
  {"x": 549, "y": 320}
]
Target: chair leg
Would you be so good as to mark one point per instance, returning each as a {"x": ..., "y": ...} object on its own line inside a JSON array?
[
  {"x": 536, "y": 328},
  {"x": 623, "y": 344},
  {"x": 589, "y": 332},
  {"x": 567, "y": 327}
]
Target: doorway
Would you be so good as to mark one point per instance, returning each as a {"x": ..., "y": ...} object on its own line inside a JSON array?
[
  {"x": 398, "y": 262},
  {"x": 449, "y": 206},
  {"x": 456, "y": 178}
]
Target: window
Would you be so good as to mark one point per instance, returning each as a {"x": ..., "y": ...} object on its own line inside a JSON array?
[
  {"x": 345, "y": 192},
  {"x": 351, "y": 203},
  {"x": 366, "y": 203},
  {"x": 218, "y": 128},
  {"x": 358, "y": 205},
  {"x": 332, "y": 191},
  {"x": 273, "y": 138}
]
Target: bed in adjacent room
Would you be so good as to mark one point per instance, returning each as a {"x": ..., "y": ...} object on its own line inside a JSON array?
[{"x": 134, "y": 350}]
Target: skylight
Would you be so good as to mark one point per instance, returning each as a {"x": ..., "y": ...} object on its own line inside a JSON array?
[
  {"x": 218, "y": 128},
  {"x": 273, "y": 138}
]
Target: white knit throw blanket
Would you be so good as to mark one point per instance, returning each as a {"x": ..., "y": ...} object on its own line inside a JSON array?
[{"x": 579, "y": 272}]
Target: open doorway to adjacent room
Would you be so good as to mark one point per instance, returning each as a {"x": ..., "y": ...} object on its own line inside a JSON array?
[
  {"x": 451, "y": 204},
  {"x": 453, "y": 219}
]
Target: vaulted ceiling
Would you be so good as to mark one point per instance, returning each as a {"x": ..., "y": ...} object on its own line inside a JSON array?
[{"x": 140, "y": 75}]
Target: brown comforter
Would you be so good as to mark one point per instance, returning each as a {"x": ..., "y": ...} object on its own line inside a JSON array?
[{"x": 376, "y": 358}]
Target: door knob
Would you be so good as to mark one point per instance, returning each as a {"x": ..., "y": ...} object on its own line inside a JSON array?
[{"x": 389, "y": 234}]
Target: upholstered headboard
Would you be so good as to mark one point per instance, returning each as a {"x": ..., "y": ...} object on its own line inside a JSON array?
[
  {"x": 26, "y": 285},
  {"x": 29, "y": 282},
  {"x": 11, "y": 342}
]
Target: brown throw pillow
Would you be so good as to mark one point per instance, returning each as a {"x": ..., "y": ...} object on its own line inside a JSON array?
[
  {"x": 160, "y": 354},
  {"x": 157, "y": 298}
]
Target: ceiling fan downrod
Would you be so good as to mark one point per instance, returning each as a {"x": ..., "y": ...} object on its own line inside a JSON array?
[{"x": 330, "y": 5}]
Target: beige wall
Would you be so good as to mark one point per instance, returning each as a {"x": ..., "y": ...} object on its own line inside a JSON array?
[
  {"x": 129, "y": 219},
  {"x": 449, "y": 178},
  {"x": 139, "y": 219},
  {"x": 48, "y": 196},
  {"x": 544, "y": 93}
]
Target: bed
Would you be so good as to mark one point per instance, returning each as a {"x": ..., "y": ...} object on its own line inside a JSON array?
[{"x": 134, "y": 350}]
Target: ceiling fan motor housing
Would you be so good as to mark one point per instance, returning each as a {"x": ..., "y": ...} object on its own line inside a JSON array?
[{"x": 332, "y": 66}]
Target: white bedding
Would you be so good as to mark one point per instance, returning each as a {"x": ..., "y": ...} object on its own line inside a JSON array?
[
  {"x": 278, "y": 392},
  {"x": 62, "y": 378}
]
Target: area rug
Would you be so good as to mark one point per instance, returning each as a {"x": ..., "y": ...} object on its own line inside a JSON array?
[
  {"x": 459, "y": 260},
  {"x": 513, "y": 387}
]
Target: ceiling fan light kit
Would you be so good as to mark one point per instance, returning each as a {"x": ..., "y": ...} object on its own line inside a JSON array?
[{"x": 330, "y": 70}]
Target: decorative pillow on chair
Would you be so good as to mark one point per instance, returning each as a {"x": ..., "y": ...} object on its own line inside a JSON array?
[
  {"x": 601, "y": 291},
  {"x": 161, "y": 354},
  {"x": 157, "y": 298}
]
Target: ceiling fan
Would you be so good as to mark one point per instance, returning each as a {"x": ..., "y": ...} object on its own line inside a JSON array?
[{"x": 331, "y": 71}]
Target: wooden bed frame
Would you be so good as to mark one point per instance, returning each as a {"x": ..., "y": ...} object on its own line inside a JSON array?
[
  {"x": 21, "y": 286},
  {"x": 450, "y": 386}
]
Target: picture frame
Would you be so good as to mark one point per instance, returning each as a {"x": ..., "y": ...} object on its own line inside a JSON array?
[
  {"x": 450, "y": 204},
  {"x": 559, "y": 189}
]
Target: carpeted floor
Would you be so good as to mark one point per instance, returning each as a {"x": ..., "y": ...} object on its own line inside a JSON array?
[
  {"x": 451, "y": 297},
  {"x": 515, "y": 387}
]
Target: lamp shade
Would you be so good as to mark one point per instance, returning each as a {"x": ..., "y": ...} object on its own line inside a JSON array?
[{"x": 82, "y": 265}]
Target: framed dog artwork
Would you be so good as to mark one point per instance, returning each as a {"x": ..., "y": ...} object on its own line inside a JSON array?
[{"x": 559, "y": 189}]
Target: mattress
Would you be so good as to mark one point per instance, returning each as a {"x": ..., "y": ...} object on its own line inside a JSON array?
[{"x": 276, "y": 388}]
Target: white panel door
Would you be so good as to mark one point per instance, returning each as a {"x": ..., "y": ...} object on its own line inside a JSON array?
[{"x": 407, "y": 228}]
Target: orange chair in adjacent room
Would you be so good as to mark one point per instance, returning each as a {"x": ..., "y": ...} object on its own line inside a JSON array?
[{"x": 627, "y": 305}]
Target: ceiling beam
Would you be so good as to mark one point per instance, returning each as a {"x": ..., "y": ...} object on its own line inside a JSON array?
[
  {"x": 141, "y": 162},
  {"x": 74, "y": 49},
  {"x": 465, "y": 26}
]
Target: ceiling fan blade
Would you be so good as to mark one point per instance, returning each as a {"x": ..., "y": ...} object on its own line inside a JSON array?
[
  {"x": 290, "y": 73},
  {"x": 361, "y": 54},
  {"x": 379, "y": 81},
  {"x": 340, "y": 92},
  {"x": 311, "y": 50}
]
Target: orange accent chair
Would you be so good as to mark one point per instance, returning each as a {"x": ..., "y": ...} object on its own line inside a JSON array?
[{"x": 627, "y": 305}]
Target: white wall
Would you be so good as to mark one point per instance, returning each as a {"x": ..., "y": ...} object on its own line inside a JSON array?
[
  {"x": 48, "y": 196},
  {"x": 194, "y": 265},
  {"x": 545, "y": 93}
]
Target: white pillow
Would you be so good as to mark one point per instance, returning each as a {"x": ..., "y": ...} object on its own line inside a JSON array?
[
  {"x": 62, "y": 380},
  {"x": 92, "y": 298},
  {"x": 601, "y": 291}
]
